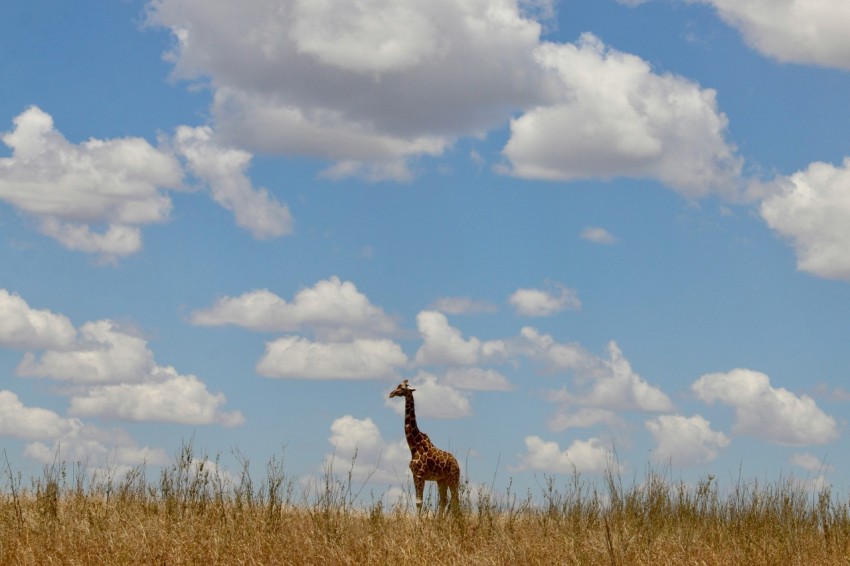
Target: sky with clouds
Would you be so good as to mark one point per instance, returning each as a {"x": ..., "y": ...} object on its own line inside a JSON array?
[{"x": 590, "y": 233}]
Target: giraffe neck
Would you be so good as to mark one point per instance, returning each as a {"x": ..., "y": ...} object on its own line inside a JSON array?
[{"x": 411, "y": 431}]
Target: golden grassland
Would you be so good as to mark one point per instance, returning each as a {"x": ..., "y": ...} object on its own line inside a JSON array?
[{"x": 195, "y": 514}]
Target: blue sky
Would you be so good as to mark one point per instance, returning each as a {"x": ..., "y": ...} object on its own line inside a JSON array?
[{"x": 574, "y": 226}]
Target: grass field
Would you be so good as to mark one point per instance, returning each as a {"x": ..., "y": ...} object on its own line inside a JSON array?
[{"x": 192, "y": 513}]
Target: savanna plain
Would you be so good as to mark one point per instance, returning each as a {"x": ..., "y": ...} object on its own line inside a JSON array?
[{"x": 192, "y": 512}]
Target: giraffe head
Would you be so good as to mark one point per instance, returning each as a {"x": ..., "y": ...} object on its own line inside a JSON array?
[{"x": 403, "y": 390}]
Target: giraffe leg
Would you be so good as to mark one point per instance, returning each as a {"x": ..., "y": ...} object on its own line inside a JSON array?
[
  {"x": 444, "y": 500},
  {"x": 419, "y": 484},
  {"x": 455, "y": 498}
]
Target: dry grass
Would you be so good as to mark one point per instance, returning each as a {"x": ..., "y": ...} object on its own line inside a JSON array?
[{"x": 192, "y": 514}]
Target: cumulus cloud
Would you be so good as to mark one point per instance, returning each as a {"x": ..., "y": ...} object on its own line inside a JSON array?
[
  {"x": 462, "y": 305},
  {"x": 444, "y": 344},
  {"x": 24, "y": 327},
  {"x": 598, "y": 236},
  {"x": 584, "y": 417},
  {"x": 811, "y": 208},
  {"x": 477, "y": 379},
  {"x": 555, "y": 356},
  {"x": 795, "y": 31},
  {"x": 113, "y": 375},
  {"x": 356, "y": 37},
  {"x": 791, "y": 31},
  {"x": 544, "y": 302},
  {"x": 50, "y": 434},
  {"x": 347, "y": 325},
  {"x": 113, "y": 242},
  {"x": 117, "y": 377},
  {"x": 387, "y": 169},
  {"x": 835, "y": 394},
  {"x": 685, "y": 441},
  {"x": 599, "y": 382},
  {"x": 332, "y": 308},
  {"x": 369, "y": 82},
  {"x": 810, "y": 463},
  {"x": 612, "y": 384},
  {"x": 763, "y": 411},
  {"x": 299, "y": 358},
  {"x": 541, "y": 10},
  {"x": 100, "y": 448},
  {"x": 104, "y": 353},
  {"x": 434, "y": 399},
  {"x": 93, "y": 196},
  {"x": 582, "y": 456},
  {"x": 615, "y": 117},
  {"x": 32, "y": 423},
  {"x": 176, "y": 398},
  {"x": 223, "y": 169},
  {"x": 376, "y": 459}
]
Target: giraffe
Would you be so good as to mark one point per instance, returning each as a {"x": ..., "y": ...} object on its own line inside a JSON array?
[{"x": 427, "y": 462}]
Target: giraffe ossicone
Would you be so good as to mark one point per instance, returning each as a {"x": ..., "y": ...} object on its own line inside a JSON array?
[{"x": 427, "y": 462}]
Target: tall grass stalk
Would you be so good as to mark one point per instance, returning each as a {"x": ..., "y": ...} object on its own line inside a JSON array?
[{"x": 197, "y": 512}]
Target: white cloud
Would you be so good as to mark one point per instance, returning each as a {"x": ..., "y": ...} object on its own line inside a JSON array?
[
  {"x": 32, "y": 423},
  {"x": 176, "y": 398},
  {"x": 296, "y": 357},
  {"x": 796, "y": 31},
  {"x": 615, "y": 117},
  {"x": 434, "y": 399},
  {"x": 349, "y": 434},
  {"x": 99, "y": 448},
  {"x": 365, "y": 37},
  {"x": 367, "y": 82},
  {"x": 619, "y": 386},
  {"x": 541, "y": 10},
  {"x": 223, "y": 170},
  {"x": 477, "y": 379},
  {"x": 373, "y": 83},
  {"x": 835, "y": 394},
  {"x": 556, "y": 356},
  {"x": 115, "y": 240},
  {"x": 772, "y": 414},
  {"x": 117, "y": 378},
  {"x": 69, "y": 438},
  {"x": 601, "y": 383},
  {"x": 811, "y": 209},
  {"x": 582, "y": 456},
  {"x": 810, "y": 463},
  {"x": 334, "y": 309},
  {"x": 376, "y": 460},
  {"x": 444, "y": 344},
  {"x": 114, "y": 376},
  {"x": 462, "y": 305},
  {"x": 91, "y": 196},
  {"x": 612, "y": 384},
  {"x": 598, "y": 236},
  {"x": 685, "y": 441},
  {"x": 583, "y": 418},
  {"x": 544, "y": 302},
  {"x": 104, "y": 353},
  {"x": 390, "y": 169},
  {"x": 28, "y": 328}
]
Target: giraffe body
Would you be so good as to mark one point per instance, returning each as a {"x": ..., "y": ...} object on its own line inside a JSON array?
[{"x": 427, "y": 462}]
